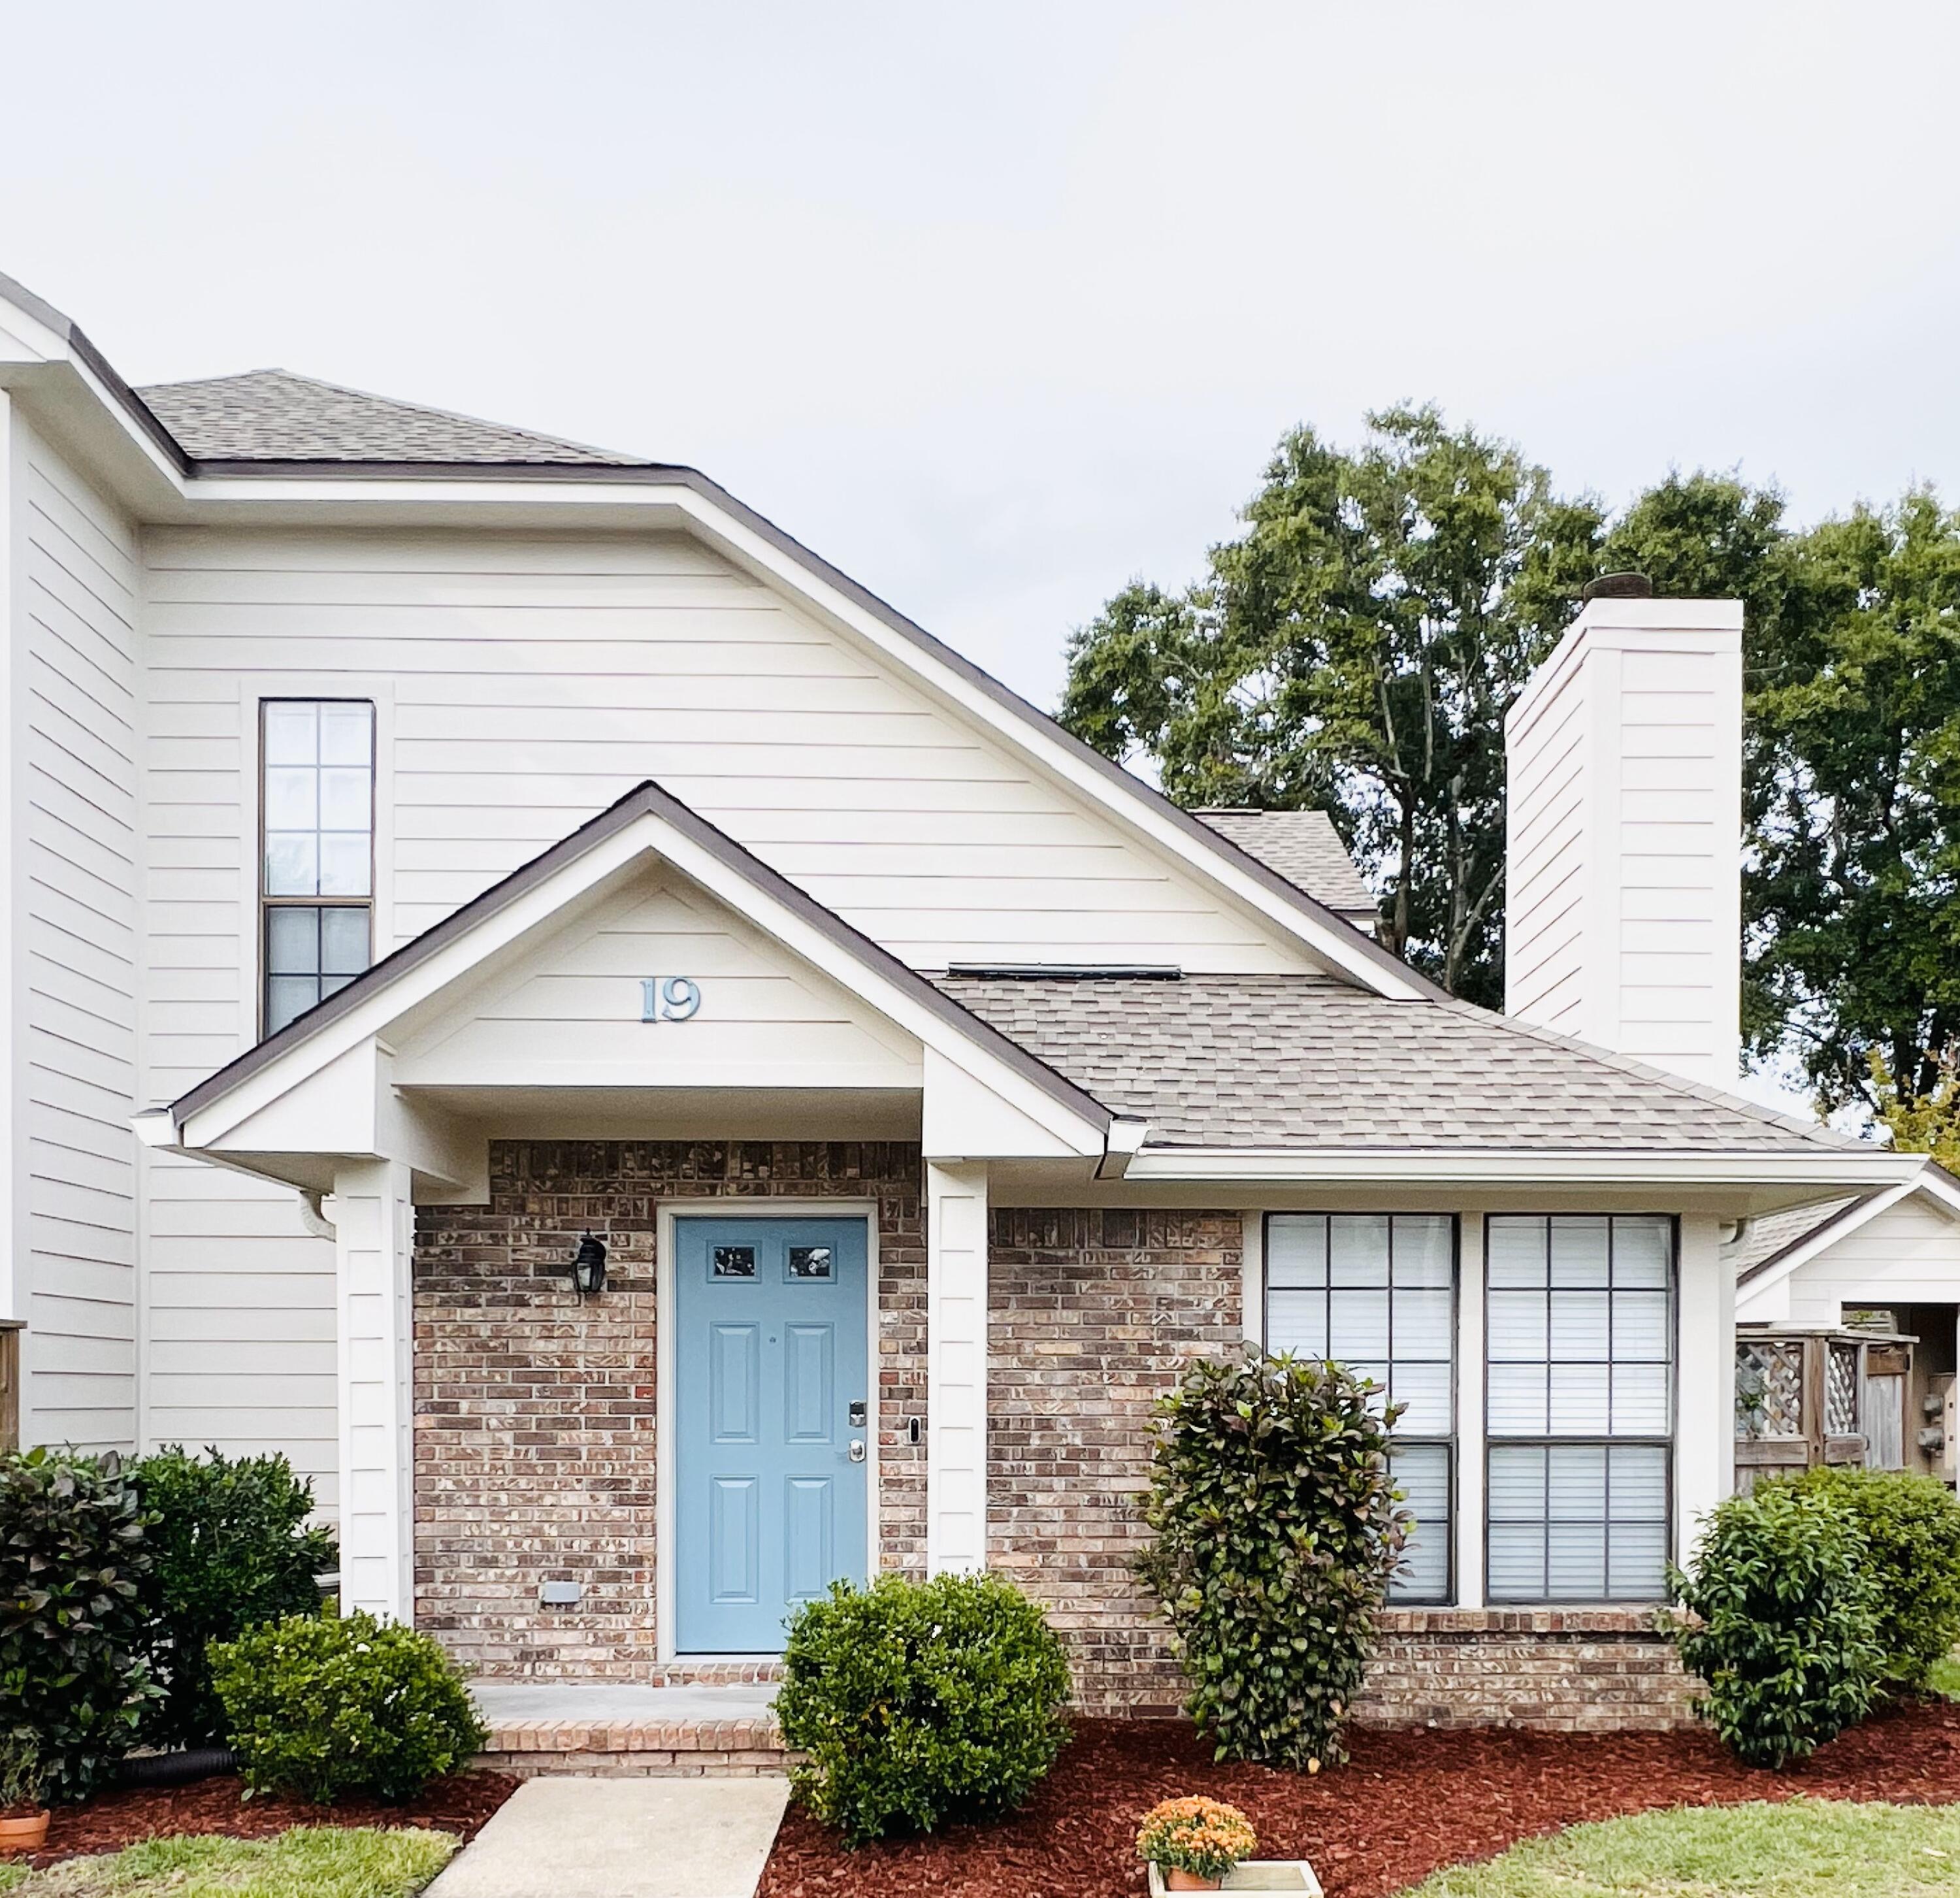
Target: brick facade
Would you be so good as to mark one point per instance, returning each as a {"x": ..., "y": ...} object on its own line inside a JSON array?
[
  {"x": 1597, "y": 1670},
  {"x": 534, "y": 1416},
  {"x": 535, "y": 1422},
  {"x": 1094, "y": 1315}
]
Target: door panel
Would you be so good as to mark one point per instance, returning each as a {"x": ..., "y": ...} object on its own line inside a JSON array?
[{"x": 771, "y": 1354}]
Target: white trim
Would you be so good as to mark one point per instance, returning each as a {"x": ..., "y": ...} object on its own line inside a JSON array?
[
  {"x": 1873, "y": 1167},
  {"x": 1252, "y": 1252},
  {"x": 957, "y": 1325},
  {"x": 1467, "y": 1502},
  {"x": 739, "y": 1206}
]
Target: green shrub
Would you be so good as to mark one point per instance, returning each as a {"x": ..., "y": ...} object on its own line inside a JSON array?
[
  {"x": 320, "y": 1705},
  {"x": 1787, "y": 1630},
  {"x": 1911, "y": 1526},
  {"x": 74, "y": 1626},
  {"x": 1277, "y": 1532},
  {"x": 232, "y": 1549},
  {"x": 921, "y": 1703}
]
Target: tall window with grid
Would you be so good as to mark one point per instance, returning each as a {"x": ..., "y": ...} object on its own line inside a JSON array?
[
  {"x": 1579, "y": 1406},
  {"x": 316, "y": 862},
  {"x": 1377, "y": 1292}
]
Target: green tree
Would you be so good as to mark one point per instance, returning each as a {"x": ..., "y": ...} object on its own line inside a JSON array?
[
  {"x": 1356, "y": 649},
  {"x": 1854, "y": 902}
]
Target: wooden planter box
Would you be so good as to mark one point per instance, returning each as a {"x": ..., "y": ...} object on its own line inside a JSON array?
[{"x": 1258, "y": 1874}]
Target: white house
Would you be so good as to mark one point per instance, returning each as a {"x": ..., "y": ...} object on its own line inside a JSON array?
[{"x": 428, "y": 844}]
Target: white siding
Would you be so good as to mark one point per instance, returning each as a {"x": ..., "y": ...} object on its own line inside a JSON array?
[
  {"x": 76, "y": 723},
  {"x": 1908, "y": 1254},
  {"x": 1624, "y": 762},
  {"x": 557, "y": 1020},
  {"x": 533, "y": 681}
]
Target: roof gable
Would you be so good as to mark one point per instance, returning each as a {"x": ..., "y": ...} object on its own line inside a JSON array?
[{"x": 647, "y": 821}]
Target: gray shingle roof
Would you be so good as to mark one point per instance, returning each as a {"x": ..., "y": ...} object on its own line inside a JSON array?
[
  {"x": 1287, "y": 1060},
  {"x": 271, "y": 414},
  {"x": 1771, "y": 1234},
  {"x": 1303, "y": 847}
]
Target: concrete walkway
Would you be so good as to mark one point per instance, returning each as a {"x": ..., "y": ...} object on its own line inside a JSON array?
[{"x": 572, "y": 1838}]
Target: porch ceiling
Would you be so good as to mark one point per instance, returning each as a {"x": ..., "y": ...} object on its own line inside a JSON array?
[{"x": 507, "y": 1112}]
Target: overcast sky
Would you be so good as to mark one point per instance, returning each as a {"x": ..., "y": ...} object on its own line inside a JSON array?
[{"x": 998, "y": 305}]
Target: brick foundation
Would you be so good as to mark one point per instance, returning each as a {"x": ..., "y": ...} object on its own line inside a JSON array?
[
  {"x": 1599, "y": 1670},
  {"x": 535, "y": 1415},
  {"x": 1094, "y": 1315}
]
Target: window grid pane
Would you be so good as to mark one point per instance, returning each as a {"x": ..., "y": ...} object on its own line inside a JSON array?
[
  {"x": 1377, "y": 1292},
  {"x": 1580, "y": 1353},
  {"x": 316, "y": 813}
]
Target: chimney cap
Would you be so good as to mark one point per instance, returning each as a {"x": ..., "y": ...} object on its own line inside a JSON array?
[{"x": 1617, "y": 586}]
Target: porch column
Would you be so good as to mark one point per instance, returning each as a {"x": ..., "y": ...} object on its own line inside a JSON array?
[
  {"x": 373, "y": 1221},
  {"x": 955, "y": 1299},
  {"x": 1704, "y": 1428}
]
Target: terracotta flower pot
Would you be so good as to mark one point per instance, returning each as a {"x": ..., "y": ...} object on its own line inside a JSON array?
[
  {"x": 24, "y": 1832},
  {"x": 1177, "y": 1879}
]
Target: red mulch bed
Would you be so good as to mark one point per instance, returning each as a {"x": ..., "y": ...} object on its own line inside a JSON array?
[
  {"x": 1407, "y": 1804},
  {"x": 461, "y": 1804}
]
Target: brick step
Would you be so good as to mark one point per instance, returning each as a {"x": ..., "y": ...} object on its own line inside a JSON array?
[{"x": 616, "y": 1730}]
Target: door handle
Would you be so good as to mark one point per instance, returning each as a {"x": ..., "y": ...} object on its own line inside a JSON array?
[{"x": 857, "y": 1449}]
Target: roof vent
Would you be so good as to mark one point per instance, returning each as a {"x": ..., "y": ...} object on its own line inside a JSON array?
[
  {"x": 1068, "y": 971},
  {"x": 1617, "y": 586}
]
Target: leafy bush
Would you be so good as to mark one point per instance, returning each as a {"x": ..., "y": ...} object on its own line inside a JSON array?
[
  {"x": 321, "y": 1706},
  {"x": 1277, "y": 1532},
  {"x": 1911, "y": 1526},
  {"x": 1204, "y": 1837},
  {"x": 918, "y": 1703},
  {"x": 231, "y": 1550},
  {"x": 74, "y": 1626},
  {"x": 1786, "y": 1633}
]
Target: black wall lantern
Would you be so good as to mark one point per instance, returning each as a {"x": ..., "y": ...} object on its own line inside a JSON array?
[{"x": 588, "y": 1267}]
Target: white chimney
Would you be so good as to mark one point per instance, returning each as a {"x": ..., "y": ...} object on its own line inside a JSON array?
[{"x": 1623, "y": 763}]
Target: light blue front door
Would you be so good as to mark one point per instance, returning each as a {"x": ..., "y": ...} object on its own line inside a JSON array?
[{"x": 772, "y": 1411}]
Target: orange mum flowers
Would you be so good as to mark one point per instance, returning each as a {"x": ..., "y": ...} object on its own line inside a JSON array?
[{"x": 1203, "y": 1836}]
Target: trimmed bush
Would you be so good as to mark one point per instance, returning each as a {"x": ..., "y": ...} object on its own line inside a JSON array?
[
  {"x": 74, "y": 1627},
  {"x": 324, "y": 1705},
  {"x": 1276, "y": 1534},
  {"x": 231, "y": 1550},
  {"x": 1786, "y": 1634},
  {"x": 1911, "y": 1526},
  {"x": 919, "y": 1703}
]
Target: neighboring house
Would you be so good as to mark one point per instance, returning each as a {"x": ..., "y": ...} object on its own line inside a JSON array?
[{"x": 442, "y": 843}]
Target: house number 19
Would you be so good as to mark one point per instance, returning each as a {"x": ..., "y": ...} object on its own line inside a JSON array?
[{"x": 668, "y": 998}]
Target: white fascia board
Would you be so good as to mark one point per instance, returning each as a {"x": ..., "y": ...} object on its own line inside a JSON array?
[
  {"x": 647, "y": 837},
  {"x": 1866, "y": 1171}
]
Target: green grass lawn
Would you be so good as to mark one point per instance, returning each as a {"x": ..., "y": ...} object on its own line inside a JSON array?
[
  {"x": 1945, "y": 1678},
  {"x": 309, "y": 1862},
  {"x": 1807, "y": 1848}
]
